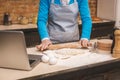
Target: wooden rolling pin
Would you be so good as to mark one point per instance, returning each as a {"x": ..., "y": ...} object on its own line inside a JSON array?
[{"x": 64, "y": 45}]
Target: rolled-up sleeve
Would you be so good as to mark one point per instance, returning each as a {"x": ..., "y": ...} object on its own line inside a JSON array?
[
  {"x": 85, "y": 18},
  {"x": 42, "y": 18}
]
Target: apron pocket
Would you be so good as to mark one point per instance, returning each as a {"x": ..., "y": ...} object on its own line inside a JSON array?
[{"x": 60, "y": 37}]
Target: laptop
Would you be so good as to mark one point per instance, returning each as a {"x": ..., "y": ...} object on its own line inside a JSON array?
[{"x": 13, "y": 53}]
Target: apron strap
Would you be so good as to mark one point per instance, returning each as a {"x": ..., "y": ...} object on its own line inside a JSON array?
[
  {"x": 52, "y": 1},
  {"x": 75, "y": 0}
]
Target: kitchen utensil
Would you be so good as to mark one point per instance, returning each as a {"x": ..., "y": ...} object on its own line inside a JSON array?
[
  {"x": 24, "y": 21},
  {"x": 64, "y": 45},
  {"x": 104, "y": 45},
  {"x": 34, "y": 20},
  {"x": 93, "y": 47}
]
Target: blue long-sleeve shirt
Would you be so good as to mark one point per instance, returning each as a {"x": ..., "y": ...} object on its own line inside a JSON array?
[{"x": 43, "y": 13}]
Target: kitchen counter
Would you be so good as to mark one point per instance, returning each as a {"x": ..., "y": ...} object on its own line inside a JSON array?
[
  {"x": 67, "y": 69},
  {"x": 34, "y": 26},
  {"x": 32, "y": 36},
  {"x": 18, "y": 27},
  {"x": 30, "y": 32}
]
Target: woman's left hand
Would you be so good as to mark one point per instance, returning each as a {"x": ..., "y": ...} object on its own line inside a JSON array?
[{"x": 84, "y": 43}]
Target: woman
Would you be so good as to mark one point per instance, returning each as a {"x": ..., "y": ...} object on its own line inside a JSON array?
[{"x": 57, "y": 22}]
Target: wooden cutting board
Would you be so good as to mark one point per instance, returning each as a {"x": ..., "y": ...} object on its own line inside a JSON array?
[{"x": 104, "y": 44}]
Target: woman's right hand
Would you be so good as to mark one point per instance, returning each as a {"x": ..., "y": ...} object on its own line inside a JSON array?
[{"x": 44, "y": 45}]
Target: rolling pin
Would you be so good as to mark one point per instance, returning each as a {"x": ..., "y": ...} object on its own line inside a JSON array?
[{"x": 64, "y": 45}]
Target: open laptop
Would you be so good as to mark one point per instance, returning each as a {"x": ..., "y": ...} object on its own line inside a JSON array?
[{"x": 13, "y": 53}]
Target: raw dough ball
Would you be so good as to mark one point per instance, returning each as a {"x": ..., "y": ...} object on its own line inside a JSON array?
[
  {"x": 52, "y": 61},
  {"x": 45, "y": 58}
]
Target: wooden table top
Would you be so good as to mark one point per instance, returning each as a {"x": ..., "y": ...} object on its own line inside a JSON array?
[
  {"x": 18, "y": 27},
  {"x": 63, "y": 66}
]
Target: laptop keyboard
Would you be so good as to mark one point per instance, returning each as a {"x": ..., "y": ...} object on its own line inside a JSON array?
[{"x": 31, "y": 61}]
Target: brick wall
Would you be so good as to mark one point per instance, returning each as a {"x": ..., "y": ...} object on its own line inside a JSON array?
[
  {"x": 93, "y": 7},
  {"x": 27, "y": 8}
]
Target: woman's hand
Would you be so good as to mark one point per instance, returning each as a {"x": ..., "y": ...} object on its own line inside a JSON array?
[
  {"x": 44, "y": 45},
  {"x": 84, "y": 43}
]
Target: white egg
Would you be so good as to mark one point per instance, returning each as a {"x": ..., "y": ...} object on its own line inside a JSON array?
[
  {"x": 50, "y": 55},
  {"x": 52, "y": 61},
  {"x": 45, "y": 58},
  {"x": 48, "y": 51}
]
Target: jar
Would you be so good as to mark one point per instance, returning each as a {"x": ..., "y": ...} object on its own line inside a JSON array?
[
  {"x": 24, "y": 21},
  {"x": 34, "y": 20}
]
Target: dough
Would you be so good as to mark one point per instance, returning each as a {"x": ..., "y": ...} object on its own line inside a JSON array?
[
  {"x": 63, "y": 53},
  {"x": 67, "y": 52}
]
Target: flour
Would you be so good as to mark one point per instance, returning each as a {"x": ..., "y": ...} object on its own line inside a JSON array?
[
  {"x": 65, "y": 53},
  {"x": 84, "y": 57},
  {"x": 68, "y": 51}
]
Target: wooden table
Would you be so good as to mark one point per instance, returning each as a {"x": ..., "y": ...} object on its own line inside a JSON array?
[{"x": 63, "y": 70}]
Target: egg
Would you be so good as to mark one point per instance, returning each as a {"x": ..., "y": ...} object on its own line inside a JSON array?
[
  {"x": 45, "y": 59},
  {"x": 52, "y": 61},
  {"x": 50, "y": 55},
  {"x": 48, "y": 51}
]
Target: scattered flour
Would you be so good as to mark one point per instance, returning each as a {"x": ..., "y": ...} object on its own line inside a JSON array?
[
  {"x": 67, "y": 53},
  {"x": 85, "y": 59},
  {"x": 76, "y": 57}
]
